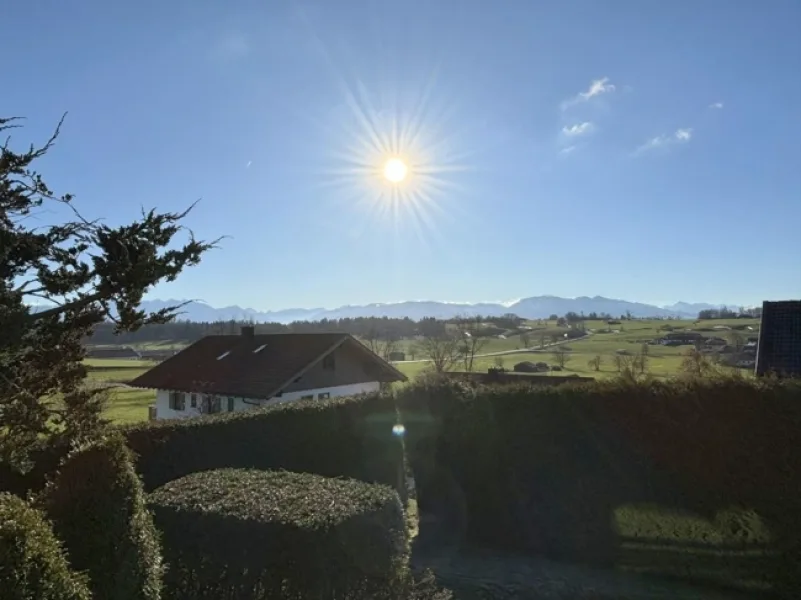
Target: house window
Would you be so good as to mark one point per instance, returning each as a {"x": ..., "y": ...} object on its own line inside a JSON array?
[
  {"x": 328, "y": 362},
  {"x": 309, "y": 397},
  {"x": 324, "y": 396},
  {"x": 177, "y": 401},
  {"x": 193, "y": 400},
  {"x": 230, "y": 404},
  {"x": 211, "y": 404}
]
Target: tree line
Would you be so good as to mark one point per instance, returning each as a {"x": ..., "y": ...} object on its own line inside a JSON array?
[
  {"x": 728, "y": 313},
  {"x": 366, "y": 328}
]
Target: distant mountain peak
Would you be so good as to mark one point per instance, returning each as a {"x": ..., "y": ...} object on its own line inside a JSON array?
[{"x": 535, "y": 307}]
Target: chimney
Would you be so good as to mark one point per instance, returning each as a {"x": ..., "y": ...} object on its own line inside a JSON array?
[{"x": 248, "y": 331}]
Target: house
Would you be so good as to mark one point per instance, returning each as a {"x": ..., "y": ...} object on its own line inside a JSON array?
[
  {"x": 112, "y": 352},
  {"x": 231, "y": 373},
  {"x": 681, "y": 338}
]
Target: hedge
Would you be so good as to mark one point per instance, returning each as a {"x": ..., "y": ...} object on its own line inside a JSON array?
[
  {"x": 32, "y": 563},
  {"x": 340, "y": 437},
  {"x": 541, "y": 470},
  {"x": 245, "y": 533},
  {"x": 44, "y": 460},
  {"x": 98, "y": 507}
]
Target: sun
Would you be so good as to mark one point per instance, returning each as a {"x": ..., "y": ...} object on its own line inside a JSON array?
[{"x": 395, "y": 170}]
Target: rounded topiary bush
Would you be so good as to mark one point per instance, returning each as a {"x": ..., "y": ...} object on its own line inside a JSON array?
[
  {"x": 276, "y": 534},
  {"x": 32, "y": 563},
  {"x": 98, "y": 508}
]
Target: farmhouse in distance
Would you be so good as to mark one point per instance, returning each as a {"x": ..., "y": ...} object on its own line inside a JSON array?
[{"x": 231, "y": 373}]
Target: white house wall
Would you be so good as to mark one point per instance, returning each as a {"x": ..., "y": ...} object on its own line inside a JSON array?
[{"x": 163, "y": 410}]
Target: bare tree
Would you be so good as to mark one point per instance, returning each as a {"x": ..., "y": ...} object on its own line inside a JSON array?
[
  {"x": 499, "y": 362},
  {"x": 441, "y": 349},
  {"x": 387, "y": 346},
  {"x": 471, "y": 341},
  {"x": 630, "y": 367},
  {"x": 561, "y": 356},
  {"x": 372, "y": 339},
  {"x": 525, "y": 338},
  {"x": 640, "y": 361},
  {"x": 542, "y": 341},
  {"x": 595, "y": 362},
  {"x": 737, "y": 340},
  {"x": 381, "y": 343},
  {"x": 695, "y": 363}
]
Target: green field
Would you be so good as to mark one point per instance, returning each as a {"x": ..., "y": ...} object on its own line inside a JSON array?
[
  {"x": 126, "y": 405},
  {"x": 664, "y": 361},
  {"x": 131, "y": 405}
]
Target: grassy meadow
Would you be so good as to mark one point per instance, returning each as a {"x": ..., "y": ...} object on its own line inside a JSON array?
[{"x": 128, "y": 405}]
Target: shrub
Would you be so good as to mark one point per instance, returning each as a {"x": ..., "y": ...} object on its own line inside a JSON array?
[
  {"x": 340, "y": 437},
  {"x": 237, "y": 533},
  {"x": 32, "y": 563},
  {"x": 98, "y": 507},
  {"x": 43, "y": 460},
  {"x": 541, "y": 470}
]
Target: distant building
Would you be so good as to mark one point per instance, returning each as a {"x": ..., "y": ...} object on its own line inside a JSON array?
[
  {"x": 779, "y": 346},
  {"x": 119, "y": 352}
]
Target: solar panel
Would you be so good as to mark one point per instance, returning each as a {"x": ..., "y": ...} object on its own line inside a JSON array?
[{"x": 779, "y": 349}]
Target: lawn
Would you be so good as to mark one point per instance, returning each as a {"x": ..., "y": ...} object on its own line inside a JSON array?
[
  {"x": 126, "y": 405},
  {"x": 129, "y": 405}
]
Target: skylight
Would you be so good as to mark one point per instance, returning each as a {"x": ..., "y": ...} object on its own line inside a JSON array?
[
  {"x": 223, "y": 355},
  {"x": 260, "y": 348}
]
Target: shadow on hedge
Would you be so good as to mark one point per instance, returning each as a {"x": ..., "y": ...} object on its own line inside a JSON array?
[{"x": 546, "y": 471}]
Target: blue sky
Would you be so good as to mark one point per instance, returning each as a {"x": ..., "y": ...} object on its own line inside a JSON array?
[{"x": 641, "y": 150}]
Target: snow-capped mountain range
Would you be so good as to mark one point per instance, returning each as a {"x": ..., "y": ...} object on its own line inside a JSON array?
[{"x": 535, "y": 307}]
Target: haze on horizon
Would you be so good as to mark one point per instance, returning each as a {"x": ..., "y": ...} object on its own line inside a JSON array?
[{"x": 364, "y": 152}]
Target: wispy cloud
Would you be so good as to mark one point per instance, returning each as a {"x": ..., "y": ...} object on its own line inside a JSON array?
[
  {"x": 578, "y": 129},
  {"x": 250, "y": 162},
  {"x": 566, "y": 151},
  {"x": 597, "y": 87},
  {"x": 716, "y": 105},
  {"x": 683, "y": 135},
  {"x": 680, "y": 136}
]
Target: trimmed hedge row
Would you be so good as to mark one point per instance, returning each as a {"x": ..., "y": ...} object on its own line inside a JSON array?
[
  {"x": 244, "y": 533},
  {"x": 541, "y": 470},
  {"x": 97, "y": 504},
  {"x": 340, "y": 437},
  {"x": 32, "y": 563}
]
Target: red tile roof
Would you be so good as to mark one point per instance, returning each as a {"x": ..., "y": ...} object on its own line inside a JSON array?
[{"x": 228, "y": 365}]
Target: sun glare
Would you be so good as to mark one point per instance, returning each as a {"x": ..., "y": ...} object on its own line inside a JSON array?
[
  {"x": 395, "y": 170},
  {"x": 394, "y": 156}
]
